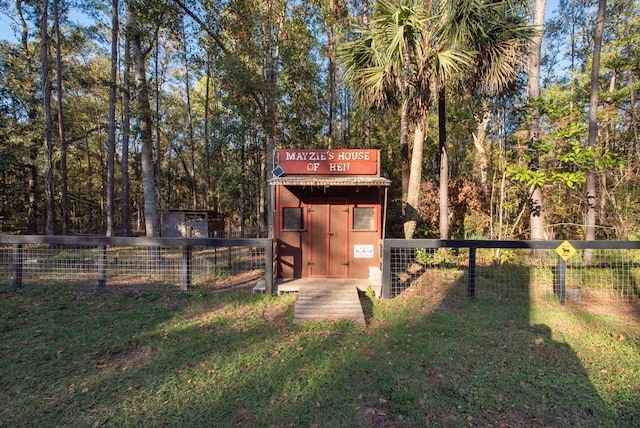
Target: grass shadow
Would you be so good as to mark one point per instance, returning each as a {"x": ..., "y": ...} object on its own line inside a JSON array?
[
  {"x": 237, "y": 360},
  {"x": 366, "y": 301}
]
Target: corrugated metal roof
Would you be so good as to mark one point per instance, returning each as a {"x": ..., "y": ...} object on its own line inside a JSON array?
[{"x": 332, "y": 180}]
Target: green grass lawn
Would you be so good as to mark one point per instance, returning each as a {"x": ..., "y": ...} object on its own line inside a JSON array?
[{"x": 149, "y": 358}]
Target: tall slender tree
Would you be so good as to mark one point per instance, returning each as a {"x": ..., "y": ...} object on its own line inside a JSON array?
[
  {"x": 590, "y": 225},
  {"x": 111, "y": 143},
  {"x": 271, "y": 47},
  {"x": 536, "y": 219},
  {"x": 146, "y": 122},
  {"x": 364, "y": 22},
  {"x": 32, "y": 114},
  {"x": 48, "y": 122},
  {"x": 126, "y": 129},
  {"x": 333, "y": 13},
  {"x": 64, "y": 186},
  {"x": 443, "y": 190},
  {"x": 192, "y": 149}
]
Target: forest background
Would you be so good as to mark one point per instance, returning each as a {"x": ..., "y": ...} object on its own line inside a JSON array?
[{"x": 112, "y": 111}]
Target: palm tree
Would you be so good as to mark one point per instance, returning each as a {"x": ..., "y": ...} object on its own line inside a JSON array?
[
  {"x": 379, "y": 64},
  {"x": 396, "y": 62}
]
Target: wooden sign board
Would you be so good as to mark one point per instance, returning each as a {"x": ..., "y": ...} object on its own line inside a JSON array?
[{"x": 329, "y": 161}]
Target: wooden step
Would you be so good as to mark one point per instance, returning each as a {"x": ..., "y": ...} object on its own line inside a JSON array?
[{"x": 327, "y": 299}]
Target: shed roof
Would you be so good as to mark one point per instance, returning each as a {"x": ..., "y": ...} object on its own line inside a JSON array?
[{"x": 331, "y": 180}]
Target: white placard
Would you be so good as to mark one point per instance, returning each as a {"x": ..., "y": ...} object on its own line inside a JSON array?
[{"x": 361, "y": 251}]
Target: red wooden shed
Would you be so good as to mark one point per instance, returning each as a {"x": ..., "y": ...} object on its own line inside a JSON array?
[{"x": 330, "y": 212}]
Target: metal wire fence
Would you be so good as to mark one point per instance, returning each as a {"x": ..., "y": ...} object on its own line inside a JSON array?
[
  {"x": 183, "y": 264},
  {"x": 517, "y": 270}
]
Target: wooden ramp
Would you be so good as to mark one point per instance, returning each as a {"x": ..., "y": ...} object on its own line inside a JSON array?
[{"x": 326, "y": 299}]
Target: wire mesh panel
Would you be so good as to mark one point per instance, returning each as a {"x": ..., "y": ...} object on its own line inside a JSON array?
[
  {"x": 228, "y": 268},
  {"x": 428, "y": 272},
  {"x": 224, "y": 268},
  {"x": 613, "y": 273},
  {"x": 51, "y": 263},
  {"x": 436, "y": 269},
  {"x": 215, "y": 267},
  {"x": 143, "y": 265},
  {"x": 431, "y": 269},
  {"x": 516, "y": 274}
]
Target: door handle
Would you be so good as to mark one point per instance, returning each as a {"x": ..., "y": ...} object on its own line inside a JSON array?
[{"x": 331, "y": 233}]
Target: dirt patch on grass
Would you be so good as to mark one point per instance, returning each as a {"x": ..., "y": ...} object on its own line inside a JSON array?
[
  {"x": 124, "y": 358},
  {"x": 440, "y": 286},
  {"x": 223, "y": 282},
  {"x": 627, "y": 313},
  {"x": 375, "y": 418},
  {"x": 435, "y": 285}
]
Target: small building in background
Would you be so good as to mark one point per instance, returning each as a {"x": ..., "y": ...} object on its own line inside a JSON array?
[{"x": 185, "y": 223}]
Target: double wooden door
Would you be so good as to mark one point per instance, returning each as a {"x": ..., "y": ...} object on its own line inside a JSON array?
[{"x": 327, "y": 240}]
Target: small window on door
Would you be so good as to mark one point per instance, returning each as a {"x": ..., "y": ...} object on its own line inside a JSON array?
[
  {"x": 364, "y": 218},
  {"x": 292, "y": 218}
]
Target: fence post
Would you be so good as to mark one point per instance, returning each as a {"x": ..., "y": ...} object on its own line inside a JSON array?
[
  {"x": 102, "y": 266},
  {"x": 185, "y": 268},
  {"x": 268, "y": 267},
  {"x": 17, "y": 266},
  {"x": 560, "y": 281},
  {"x": 471, "y": 284},
  {"x": 386, "y": 270}
]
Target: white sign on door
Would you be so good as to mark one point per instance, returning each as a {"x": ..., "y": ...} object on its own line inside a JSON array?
[{"x": 362, "y": 251}]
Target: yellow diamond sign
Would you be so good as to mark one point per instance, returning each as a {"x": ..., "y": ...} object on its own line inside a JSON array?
[{"x": 566, "y": 250}]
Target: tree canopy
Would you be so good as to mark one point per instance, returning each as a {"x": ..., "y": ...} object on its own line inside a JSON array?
[{"x": 112, "y": 111}]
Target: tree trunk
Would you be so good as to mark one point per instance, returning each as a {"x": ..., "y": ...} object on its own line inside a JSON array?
[
  {"x": 367, "y": 121},
  {"x": 270, "y": 149},
  {"x": 415, "y": 177},
  {"x": 404, "y": 152},
  {"x": 590, "y": 226},
  {"x": 479, "y": 138},
  {"x": 207, "y": 138},
  {"x": 192, "y": 148},
  {"x": 271, "y": 48},
  {"x": 634, "y": 118},
  {"x": 111, "y": 150},
  {"x": 332, "y": 42},
  {"x": 148, "y": 183},
  {"x": 64, "y": 198},
  {"x": 33, "y": 195},
  {"x": 536, "y": 220},
  {"x": 262, "y": 165},
  {"x": 158, "y": 144},
  {"x": 126, "y": 130},
  {"x": 49, "y": 189},
  {"x": 501, "y": 205},
  {"x": 443, "y": 187},
  {"x": 404, "y": 132},
  {"x": 365, "y": 11},
  {"x": 89, "y": 174}
]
